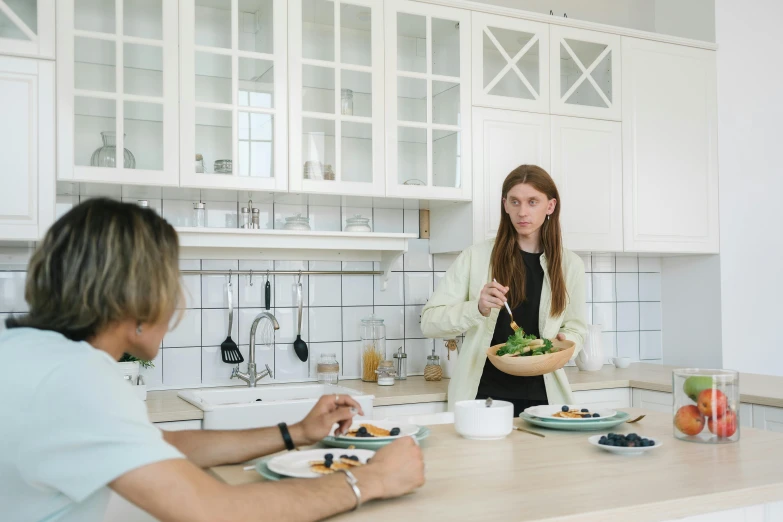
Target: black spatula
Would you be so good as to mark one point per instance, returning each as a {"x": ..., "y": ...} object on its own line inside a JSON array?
[{"x": 229, "y": 350}]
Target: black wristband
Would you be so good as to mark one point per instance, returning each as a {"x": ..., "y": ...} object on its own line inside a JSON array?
[{"x": 289, "y": 442}]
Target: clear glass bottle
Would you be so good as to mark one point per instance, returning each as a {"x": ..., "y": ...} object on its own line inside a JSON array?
[
  {"x": 199, "y": 164},
  {"x": 433, "y": 371},
  {"x": 328, "y": 369},
  {"x": 402, "y": 364},
  {"x": 255, "y": 222},
  {"x": 245, "y": 213},
  {"x": 106, "y": 156},
  {"x": 346, "y": 102},
  {"x": 373, "y": 346},
  {"x": 200, "y": 214},
  {"x": 386, "y": 373}
]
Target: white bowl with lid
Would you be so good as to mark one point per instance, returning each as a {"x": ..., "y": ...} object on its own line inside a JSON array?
[
  {"x": 297, "y": 222},
  {"x": 357, "y": 224},
  {"x": 475, "y": 421}
]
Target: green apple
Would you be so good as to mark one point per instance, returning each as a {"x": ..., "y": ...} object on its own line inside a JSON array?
[{"x": 696, "y": 384}]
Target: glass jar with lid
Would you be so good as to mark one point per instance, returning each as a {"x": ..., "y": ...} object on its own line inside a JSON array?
[
  {"x": 433, "y": 371},
  {"x": 386, "y": 373},
  {"x": 200, "y": 214},
  {"x": 297, "y": 222},
  {"x": 357, "y": 224},
  {"x": 373, "y": 346},
  {"x": 328, "y": 369}
]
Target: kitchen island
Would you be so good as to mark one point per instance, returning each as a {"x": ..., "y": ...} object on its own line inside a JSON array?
[{"x": 563, "y": 478}]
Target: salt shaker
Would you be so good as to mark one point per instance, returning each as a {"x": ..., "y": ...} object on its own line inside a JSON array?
[
  {"x": 245, "y": 212},
  {"x": 200, "y": 214},
  {"x": 402, "y": 364},
  {"x": 256, "y": 221}
]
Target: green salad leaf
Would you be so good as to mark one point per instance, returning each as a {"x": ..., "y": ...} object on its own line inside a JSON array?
[{"x": 518, "y": 343}]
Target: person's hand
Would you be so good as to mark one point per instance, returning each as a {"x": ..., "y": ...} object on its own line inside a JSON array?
[
  {"x": 396, "y": 469},
  {"x": 493, "y": 295},
  {"x": 329, "y": 409},
  {"x": 560, "y": 337}
]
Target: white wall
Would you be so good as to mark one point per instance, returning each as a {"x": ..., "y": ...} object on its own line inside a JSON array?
[
  {"x": 689, "y": 19},
  {"x": 751, "y": 181},
  {"x": 690, "y": 287}
]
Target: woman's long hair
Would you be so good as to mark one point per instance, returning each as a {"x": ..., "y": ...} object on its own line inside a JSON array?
[
  {"x": 507, "y": 265},
  {"x": 103, "y": 261}
]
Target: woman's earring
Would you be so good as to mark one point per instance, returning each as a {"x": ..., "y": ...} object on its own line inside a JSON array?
[
  {"x": 547, "y": 217},
  {"x": 138, "y": 330}
]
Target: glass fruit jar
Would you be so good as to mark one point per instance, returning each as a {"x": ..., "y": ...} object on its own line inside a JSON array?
[{"x": 706, "y": 405}]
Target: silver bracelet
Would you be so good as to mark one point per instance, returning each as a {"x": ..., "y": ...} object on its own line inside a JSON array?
[{"x": 351, "y": 480}]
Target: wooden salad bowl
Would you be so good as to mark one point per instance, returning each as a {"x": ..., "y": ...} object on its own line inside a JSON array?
[{"x": 533, "y": 365}]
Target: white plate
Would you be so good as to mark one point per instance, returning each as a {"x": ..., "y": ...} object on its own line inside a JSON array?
[
  {"x": 297, "y": 463},
  {"x": 546, "y": 412},
  {"x": 406, "y": 430},
  {"x": 624, "y": 451}
]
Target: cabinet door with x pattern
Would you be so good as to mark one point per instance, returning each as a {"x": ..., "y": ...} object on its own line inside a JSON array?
[
  {"x": 510, "y": 63},
  {"x": 585, "y": 73}
]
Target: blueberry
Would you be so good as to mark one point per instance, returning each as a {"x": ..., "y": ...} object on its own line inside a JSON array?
[
  {"x": 329, "y": 456},
  {"x": 362, "y": 430},
  {"x": 632, "y": 436},
  {"x": 564, "y": 408},
  {"x": 611, "y": 435},
  {"x": 585, "y": 415},
  {"x": 354, "y": 458},
  {"x": 585, "y": 410},
  {"x": 596, "y": 415},
  {"x": 328, "y": 463},
  {"x": 602, "y": 439},
  {"x": 394, "y": 432},
  {"x": 651, "y": 443}
]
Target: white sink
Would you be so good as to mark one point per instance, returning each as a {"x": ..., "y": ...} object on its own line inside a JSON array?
[{"x": 240, "y": 408}]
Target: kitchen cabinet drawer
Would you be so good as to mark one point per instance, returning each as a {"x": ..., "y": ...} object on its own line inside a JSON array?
[
  {"x": 611, "y": 398},
  {"x": 651, "y": 400},
  {"x": 179, "y": 425},
  {"x": 767, "y": 418},
  {"x": 402, "y": 411}
]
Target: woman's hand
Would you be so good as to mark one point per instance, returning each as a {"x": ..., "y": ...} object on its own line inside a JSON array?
[
  {"x": 493, "y": 295},
  {"x": 560, "y": 337},
  {"x": 330, "y": 409}
]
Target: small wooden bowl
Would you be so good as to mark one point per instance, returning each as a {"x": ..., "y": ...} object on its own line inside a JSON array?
[{"x": 535, "y": 364}]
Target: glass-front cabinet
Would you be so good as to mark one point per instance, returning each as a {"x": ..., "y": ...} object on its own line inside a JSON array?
[
  {"x": 27, "y": 28},
  {"x": 510, "y": 63},
  {"x": 427, "y": 101},
  {"x": 117, "y": 91},
  {"x": 585, "y": 73},
  {"x": 233, "y": 121},
  {"x": 335, "y": 51}
]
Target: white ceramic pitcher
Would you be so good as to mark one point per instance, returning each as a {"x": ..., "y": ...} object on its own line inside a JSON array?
[{"x": 591, "y": 356}]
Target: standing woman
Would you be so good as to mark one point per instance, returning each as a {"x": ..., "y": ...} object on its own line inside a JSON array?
[{"x": 542, "y": 282}]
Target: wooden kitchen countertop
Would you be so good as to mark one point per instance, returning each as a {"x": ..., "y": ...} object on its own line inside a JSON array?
[
  {"x": 563, "y": 478},
  {"x": 767, "y": 390}
]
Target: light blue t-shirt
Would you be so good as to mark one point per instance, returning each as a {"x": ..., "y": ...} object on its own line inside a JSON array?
[{"x": 69, "y": 425}]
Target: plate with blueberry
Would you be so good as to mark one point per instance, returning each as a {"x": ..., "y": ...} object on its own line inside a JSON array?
[
  {"x": 317, "y": 462},
  {"x": 569, "y": 413},
  {"x": 630, "y": 444},
  {"x": 379, "y": 430}
]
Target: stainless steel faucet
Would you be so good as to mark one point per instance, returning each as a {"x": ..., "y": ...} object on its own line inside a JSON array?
[{"x": 252, "y": 377}]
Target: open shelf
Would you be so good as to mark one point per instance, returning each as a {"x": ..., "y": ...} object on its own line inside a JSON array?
[{"x": 237, "y": 243}]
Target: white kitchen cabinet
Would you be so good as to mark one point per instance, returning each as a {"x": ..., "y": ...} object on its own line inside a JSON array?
[
  {"x": 428, "y": 93},
  {"x": 767, "y": 418},
  {"x": 336, "y": 85},
  {"x": 670, "y": 169},
  {"x": 608, "y": 398},
  {"x": 27, "y": 28},
  {"x": 402, "y": 411},
  {"x": 27, "y": 146},
  {"x": 587, "y": 167},
  {"x": 233, "y": 102},
  {"x": 502, "y": 141},
  {"x": 510, "y": 63},
  {"x": 585, "y": 73},
  {"x": 117, "y": 90},
  {"x": 652, "y": 400}
]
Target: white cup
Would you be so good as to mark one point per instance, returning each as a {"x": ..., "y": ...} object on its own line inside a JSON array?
[{"x": 621, "y": 362}]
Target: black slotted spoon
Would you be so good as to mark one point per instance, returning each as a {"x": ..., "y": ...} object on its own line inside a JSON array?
[{"x": 229, "y": 351}]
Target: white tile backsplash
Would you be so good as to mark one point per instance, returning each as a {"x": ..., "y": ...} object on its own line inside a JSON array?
[
  {"x": 388, "y": 220},
  {"x": 649, "y": 264},
  {"x": 627, "y": 317},
  {"x": 650, "y": 346},
  {"x": 182, "y": 366},
  {"x": 649, "y": 316},
  {"x": 411, "y": 222},
  {"x": 214, "y": 372},
  {"x": 325, "y": 218},
  {"x": 605, "y": 314},
  {"x": 443, "y": 262},
  {"x": 603, "y": 263},
  {"x": 418, "y": 350},
  {"x": 287, "y": 318},
  {"x": 352, "y": 320},
  {"x": 627, "y": 286},
  {"x": 649, "y": 287},
  {"x": 628, "y": 345},
  {"x": 418, "y": 287},
  {"x": 351, "y": 367},
  {"x": 214, "y": 327},
  {"x": 393, "y": 319},
  {"x": 418, "y": 257},
  {"x": 627, "y": 264},
  {"x": 187, "y": 332},
  {"x": 326, "y": 290},
  {"x": 357, "y": 290},
  {"x": 191, "y": 284},
  {"x": 325, "y": 324},
  {"x": 413, "y": 322},
  {"x": 214, "y": 290},
  {"x": 394, "y": 293},
  {"x": 288, "y": 366},
  {"x": 12, "y": 292},
  {"x": 603, "y": 288}
]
